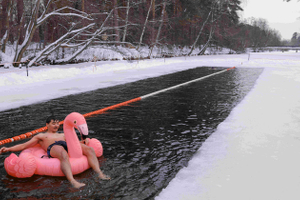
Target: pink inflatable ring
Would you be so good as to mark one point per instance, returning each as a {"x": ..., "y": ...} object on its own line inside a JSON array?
[{"x": 30, "y": 160}]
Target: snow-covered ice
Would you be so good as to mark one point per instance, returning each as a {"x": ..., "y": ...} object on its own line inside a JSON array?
[{"x": 252, "y": 155}]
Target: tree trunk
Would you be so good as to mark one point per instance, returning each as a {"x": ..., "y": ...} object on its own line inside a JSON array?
[
  {"x": 195, "y": 43},
  {"x": 116, "y": 23},
  {"x": 159, "y": 29},
  {"x": 31, "y": 27},
  {"x": 145, "y": 24},
  {"x": 126, "y": 20},
  {"x": 207, "y": 43},
  {"x": 7, "y": 26},
  {"x": 161, "y": 22},
  {"x": 153, "y": 18}
]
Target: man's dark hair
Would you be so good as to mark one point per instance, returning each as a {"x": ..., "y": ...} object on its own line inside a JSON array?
[{"x": 52, "y": 117}]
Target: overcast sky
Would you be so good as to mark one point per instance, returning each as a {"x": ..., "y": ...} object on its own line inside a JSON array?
[{"x": 280, "y": 15}]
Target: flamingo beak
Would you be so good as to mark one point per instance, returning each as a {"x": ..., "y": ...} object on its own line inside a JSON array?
[{"x": 83, "y": 129}]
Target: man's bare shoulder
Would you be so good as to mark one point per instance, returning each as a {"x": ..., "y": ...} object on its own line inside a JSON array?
[
  {"x": 46, "y": 134},
  {"x": 40, "y": 135}
]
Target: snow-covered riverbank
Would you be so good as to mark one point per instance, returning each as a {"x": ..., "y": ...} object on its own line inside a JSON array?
[
  {"x": 48, "y": 82},
  {"x": 254, "y": 154}
]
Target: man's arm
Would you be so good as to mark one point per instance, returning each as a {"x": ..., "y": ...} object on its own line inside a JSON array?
[{"x": 33, "y": 141}]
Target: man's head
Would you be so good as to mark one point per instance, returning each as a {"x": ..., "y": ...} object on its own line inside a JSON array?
[{"x": 52, "y": 124}]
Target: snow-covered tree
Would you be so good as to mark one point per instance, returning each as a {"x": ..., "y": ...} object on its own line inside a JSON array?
[
  {"x": 80, "y": 37},
  {"x": 41, "y": 11}
]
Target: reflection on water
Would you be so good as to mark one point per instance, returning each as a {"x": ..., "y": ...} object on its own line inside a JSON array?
[{"x": 145, "y": 143}]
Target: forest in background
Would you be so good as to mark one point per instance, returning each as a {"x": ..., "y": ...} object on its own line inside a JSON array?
[{"x": 72, "y": 26}]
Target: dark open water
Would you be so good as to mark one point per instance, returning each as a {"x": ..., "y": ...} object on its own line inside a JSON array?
[{"x": 145, "y": 144}]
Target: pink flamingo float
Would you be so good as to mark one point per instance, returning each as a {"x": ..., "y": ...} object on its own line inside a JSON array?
[{"x": 30, "y": 160}]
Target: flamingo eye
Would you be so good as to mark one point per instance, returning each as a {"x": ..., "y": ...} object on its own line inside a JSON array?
[{"x": 75, "y": 122}]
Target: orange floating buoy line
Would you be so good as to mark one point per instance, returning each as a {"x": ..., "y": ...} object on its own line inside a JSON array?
[{"x": 103, "y": 110}]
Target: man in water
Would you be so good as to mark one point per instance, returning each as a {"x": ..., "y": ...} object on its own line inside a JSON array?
[{"x": 48, "y": 142}]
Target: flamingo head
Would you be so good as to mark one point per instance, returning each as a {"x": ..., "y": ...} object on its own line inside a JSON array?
[{"x": 76, "y": 120}]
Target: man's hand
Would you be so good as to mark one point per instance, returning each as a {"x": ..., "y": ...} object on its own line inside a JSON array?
[
  {"x": 3, "y": 150},
  {"x": 86, "y": 141}
]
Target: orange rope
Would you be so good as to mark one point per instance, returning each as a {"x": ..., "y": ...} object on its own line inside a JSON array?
[
  {"x": 43, "y": 129},
  {"x": 23, "y": 136},
  {"x": 97, "y": 112}
]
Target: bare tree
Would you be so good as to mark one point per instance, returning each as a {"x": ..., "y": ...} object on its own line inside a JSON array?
[
  {"x": 7, "y": 7},
  {"x": 62, "y": 41},
  {"x": 116, "y": 23},
  {"x": 73, "y": 37},
  {"x": 259, "y": 33},
  {"x": 199, "y": 34},
  {"x": 126, "y": 21},
  {"x": 37, "y": 20},
  {"x": 160, "y": 26},
  {"x": 145, "y": 24}
]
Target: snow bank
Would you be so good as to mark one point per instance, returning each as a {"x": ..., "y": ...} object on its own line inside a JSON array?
[
  {"x": 92, "y": 75},
  {"x": 254, "y": 153},
  {"x": 48, "y": 82}
]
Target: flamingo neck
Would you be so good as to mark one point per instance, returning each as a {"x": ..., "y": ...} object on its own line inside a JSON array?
[{"x": 74, "y": 147}]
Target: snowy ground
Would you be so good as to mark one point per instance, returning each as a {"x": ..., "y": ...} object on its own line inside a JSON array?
[{"x": 253, "y": 154}]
